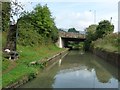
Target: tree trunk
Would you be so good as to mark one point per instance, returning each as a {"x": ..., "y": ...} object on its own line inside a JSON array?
[{"x": 11, "y": 38}]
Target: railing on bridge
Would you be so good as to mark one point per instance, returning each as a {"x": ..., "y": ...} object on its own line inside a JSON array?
[{"x": 71, "y": 35}]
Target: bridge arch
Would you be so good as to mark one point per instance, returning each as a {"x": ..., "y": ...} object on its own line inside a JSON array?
[{"x": 65, "y": 37}]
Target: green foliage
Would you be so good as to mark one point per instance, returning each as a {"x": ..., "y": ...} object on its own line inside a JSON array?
[
  {"x": 4, "y": 38},
  {"x": 90, "y": 32},
  {"x": 104, "y": 28},
  {"x": 26, "y": 34},
  {"x": 87, "y": 44},
  {"x": 81, "y": 45},
  {"x": 90, "y": 36},
  {"x": 37, "y": 27},
  {"x": 110, "y": 42},
  {"x": 74, "y": 45},
  {"x": 73, "y": 30},
  {"x": 31, "y": 76},
  {"x": 94, "y": 32},
  {"x": 5, "y": 15},
  {"x": 54, "y": 34},
  {"x": 43, "y": 18}
]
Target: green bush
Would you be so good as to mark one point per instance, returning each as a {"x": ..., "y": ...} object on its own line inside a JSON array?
[
  {"x": 31, "y": 76},
  {"x": 110, "y": 42},
  {"x": 37, "y": 27},
  {"x": 98, "y": 33}
]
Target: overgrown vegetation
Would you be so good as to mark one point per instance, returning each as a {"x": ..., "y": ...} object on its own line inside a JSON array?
[
  {"x": 78, "y": 45},
  {"x": 36, "y": 39},
  {"x": 37, "y": 27},
  {"x": 5, "y": 15},
  {"x": 110, "y": 42},
  {"x": 37, "y": 34},
  {"x": 102, "y": 36},
  {"x": 104, "y": 28},
  {"x": 90, "y": 36}
]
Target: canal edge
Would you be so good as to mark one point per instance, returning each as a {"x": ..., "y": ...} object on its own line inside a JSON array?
[{"x": 25, "y": 79}]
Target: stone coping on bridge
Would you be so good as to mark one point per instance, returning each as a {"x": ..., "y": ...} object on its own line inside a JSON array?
[{"x": 71, "y": 35}]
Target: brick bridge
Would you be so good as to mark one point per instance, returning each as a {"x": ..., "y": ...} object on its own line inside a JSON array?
[{"x": 65, "y": 37}]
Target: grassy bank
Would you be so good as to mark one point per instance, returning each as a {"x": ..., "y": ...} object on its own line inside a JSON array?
[
  {"x": 110, "y": 43},
  {"x": 13, "y": 71},
  {"x": 33, "y": 28},
  {"x": 108, "y": 48}
]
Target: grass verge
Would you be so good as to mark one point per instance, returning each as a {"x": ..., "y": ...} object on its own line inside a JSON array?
[{"x": 12, "y": 72}]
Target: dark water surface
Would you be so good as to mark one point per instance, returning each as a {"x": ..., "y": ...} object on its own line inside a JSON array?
[{"x": 76, "y": 70}]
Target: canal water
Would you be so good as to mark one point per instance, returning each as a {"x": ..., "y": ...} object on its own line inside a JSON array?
[{"x": 76, "y": 70}]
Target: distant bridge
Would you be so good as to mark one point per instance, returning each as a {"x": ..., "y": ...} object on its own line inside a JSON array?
[{"x": 65, "y": 37}]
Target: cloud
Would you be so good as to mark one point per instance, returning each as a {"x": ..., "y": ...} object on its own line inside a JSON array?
[
  {"x": 78, "y": 20},
  {"x": 78, "y": 15}
]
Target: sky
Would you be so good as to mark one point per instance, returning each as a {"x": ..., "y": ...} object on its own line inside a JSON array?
[{"x": 78, "y": 13}]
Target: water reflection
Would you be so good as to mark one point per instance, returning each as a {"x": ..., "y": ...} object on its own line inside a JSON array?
[
  {"x": 77, "y": 70},
  {"x": 60, "y": 62}
]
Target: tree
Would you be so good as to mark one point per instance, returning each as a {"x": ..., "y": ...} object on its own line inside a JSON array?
[
  {"x": 90, "y": 36},
  {"x": 90, "y": 32},
  {"x": 93, "y": 32},
  {"x": 43, "y": 18},
  {"x": 47, "y": 20},
  {"x": 5, "y": 15},
  {"x": 104, "y": 28},
  {"x": 73, "y": 30},
  {"x": 37, "y": 25}
]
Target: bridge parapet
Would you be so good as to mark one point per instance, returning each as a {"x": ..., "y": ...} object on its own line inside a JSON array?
[{"x": 71, "y": 35}]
